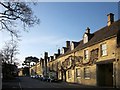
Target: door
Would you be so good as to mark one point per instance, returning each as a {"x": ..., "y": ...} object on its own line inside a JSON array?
[
  {"x": 104, "y": 74},
  {"x": 64, "y": 75}
]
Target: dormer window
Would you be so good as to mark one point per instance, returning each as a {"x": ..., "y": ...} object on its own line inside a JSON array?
[
  {"x": 72, "y": 46},
  {"x": 85, "y": 38},
  {"x": 63, "y": 50},
  {"x": 54, "y": 56}
]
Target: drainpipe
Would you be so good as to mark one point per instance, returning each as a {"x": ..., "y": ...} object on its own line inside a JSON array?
[
  {"x": 74, "y": 68},
  {"x": 115, "y": 72},
  {"x": 116, "y": 66}
]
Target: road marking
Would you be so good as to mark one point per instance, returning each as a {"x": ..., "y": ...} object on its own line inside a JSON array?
[{"x": 20, "y": 86}]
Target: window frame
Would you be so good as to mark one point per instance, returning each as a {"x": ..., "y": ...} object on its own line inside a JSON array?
[
  {"x": 69, "y": 74},
  {"x": 87, "y": 73},
  {"x": 103, "y": 49},
  {"x": 78, "y": 74},
  {"x": 86, "y": 55}
]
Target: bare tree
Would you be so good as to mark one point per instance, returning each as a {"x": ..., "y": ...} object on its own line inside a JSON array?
[
  {"x": 14, "y": 12},
  {"x": 10, "y": 51}
]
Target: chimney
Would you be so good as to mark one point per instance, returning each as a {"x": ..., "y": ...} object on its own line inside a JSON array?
[
  {"x": 45, "y": 62},
  {"x": 87, "y": 30},
  {"x": 67, "y": 44},
  {"x": 58, "y": 51},
  {"x": 45, "y": 55},
  {"x": 110, "y": 19}
]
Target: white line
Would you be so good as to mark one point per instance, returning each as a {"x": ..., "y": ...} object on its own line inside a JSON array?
[{"x": 20, "y": 85}]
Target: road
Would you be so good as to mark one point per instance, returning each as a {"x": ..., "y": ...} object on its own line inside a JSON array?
[
  {"x": 24, "y": 83},
  {"x": 27, "y": 82}
]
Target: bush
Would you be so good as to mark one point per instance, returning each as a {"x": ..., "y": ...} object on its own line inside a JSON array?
[{"x": 9, "y": 71}]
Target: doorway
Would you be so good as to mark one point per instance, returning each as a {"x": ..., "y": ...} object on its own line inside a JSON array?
[
  {"x": 105, "y": 74},
  {"x": 64, "y": 75}
]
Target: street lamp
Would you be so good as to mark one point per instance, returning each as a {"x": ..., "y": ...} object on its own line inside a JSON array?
[{"x": 1, "y": 57}]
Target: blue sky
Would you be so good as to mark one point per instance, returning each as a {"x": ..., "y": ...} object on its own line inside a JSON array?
[{"x": 61, "y": 22}]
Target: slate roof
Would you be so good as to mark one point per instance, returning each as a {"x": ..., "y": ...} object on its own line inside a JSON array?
[{"x": 104, "y": 33}]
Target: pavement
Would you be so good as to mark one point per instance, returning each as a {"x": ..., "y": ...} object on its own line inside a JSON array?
[{"x": 13, "y": 83}]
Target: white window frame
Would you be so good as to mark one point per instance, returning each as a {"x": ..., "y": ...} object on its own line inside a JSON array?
[
  {"x": 78, "y": 72},
  {"x": 86, "y": 54},
  {"x": 103, "y": 49},
  {"x": 87, "y": 73},
  {"x": 69, "y": 74}
]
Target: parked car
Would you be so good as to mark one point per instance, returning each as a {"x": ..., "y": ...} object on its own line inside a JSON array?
[
  {"x": 36, "y": 76},
  {"x": 32, "y": 76},
  {"x": 45, "y": 78}
]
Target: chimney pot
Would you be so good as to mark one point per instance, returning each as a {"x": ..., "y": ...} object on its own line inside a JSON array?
[{"x": 88, "y": 30}]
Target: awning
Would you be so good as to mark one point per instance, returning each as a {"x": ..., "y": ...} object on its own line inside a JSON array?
[{"x": 106, "y": 61}]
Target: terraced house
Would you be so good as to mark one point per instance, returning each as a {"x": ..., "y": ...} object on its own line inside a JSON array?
[
  {"x": 40, "y": 68},
  {"x": 94, "y": 60}
]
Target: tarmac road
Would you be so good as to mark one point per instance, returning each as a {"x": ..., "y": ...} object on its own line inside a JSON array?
[{"x": 25, "y": 83}]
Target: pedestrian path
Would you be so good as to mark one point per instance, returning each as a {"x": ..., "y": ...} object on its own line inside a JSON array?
[{"x": 13, "y": 83}]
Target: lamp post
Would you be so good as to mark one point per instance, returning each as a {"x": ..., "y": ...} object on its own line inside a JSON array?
[{"x": 1, "y": 57}]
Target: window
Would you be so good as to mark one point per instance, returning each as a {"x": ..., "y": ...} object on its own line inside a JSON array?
[
  {"x": 86, "y": 54},
  {"x": 69, "y": 74},
  {"x": 59, "y": 75},
  {"x": 86, "y": 73},
  {"x": 78, "y": 72},
  {"x": 59, "y": 65},
  {"x": 103, "y": 49},
  {"x": 85, "y": 39},
  {"x": 94, "y": 55}
]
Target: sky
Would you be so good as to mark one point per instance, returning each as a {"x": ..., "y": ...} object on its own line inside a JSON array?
[{"x": 61, "y": 22}]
